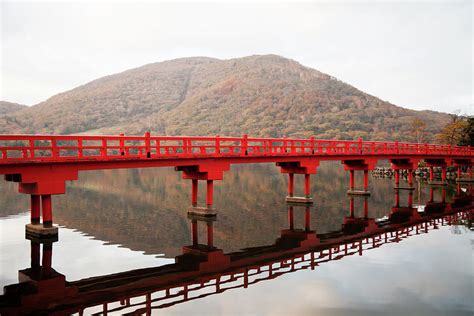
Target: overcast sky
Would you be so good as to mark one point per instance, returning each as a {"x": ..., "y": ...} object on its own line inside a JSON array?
[{"x": 414, "y": 54}]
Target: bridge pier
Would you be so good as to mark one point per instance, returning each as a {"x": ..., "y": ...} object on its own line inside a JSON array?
[
  {"x": 404, "y": 164},
  {"x": 41, "y": 182},
  {"x": 363, "y": 165},
  {"x": 305, "y": 167},
  {"x": 291, "y": 217},
  {"x": 353, "y": 224},
  {"x": 295, "y": 236},
  {"x": 469, "y": 164},
  {"x": 433, "y": 206},
  {"x": 208, "y": 220},
  {"x": 207, "y": 171},
  {"x": 443, "y": 163},
  {"x": 35, "y": 228}
]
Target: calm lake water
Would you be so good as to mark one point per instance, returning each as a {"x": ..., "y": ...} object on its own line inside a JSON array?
[{"x": 119, "y": 221}]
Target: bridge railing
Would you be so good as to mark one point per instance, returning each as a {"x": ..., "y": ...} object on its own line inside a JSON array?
[{"x": 66, "y": 148}]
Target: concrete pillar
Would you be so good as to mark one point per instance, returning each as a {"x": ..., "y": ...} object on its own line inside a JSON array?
[
  {"x": 210, "y": 193},
  {"x": 194, "y": 232},
  {"x": 397, "y": 177},
  {"x": 35, "y": 209},
  {"x": 307, "y": 185},
  {"x": 366, "y": 180},
  {"x": 47, "y": 210},
  {"x": 307, "y": 219},
  {"x": 291, "y": 217},
  {"x": 291, "y": 184},
  {"x": 351, "y": 180},
  {"x": 210, "y": 235},
  {"x": 194, "y": 194}
]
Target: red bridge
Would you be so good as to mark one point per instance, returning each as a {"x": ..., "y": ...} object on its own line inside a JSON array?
[{"x": 42, "y": 164}]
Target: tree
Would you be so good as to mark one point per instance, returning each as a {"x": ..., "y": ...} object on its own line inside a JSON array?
[
  {"x": 454, "y": 133},
  {"x": 418, "y": 128},
  {"x": 468, "y": 133}
]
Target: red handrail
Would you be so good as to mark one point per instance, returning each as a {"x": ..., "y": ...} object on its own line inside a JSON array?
[{"x": 15, "y": 148}]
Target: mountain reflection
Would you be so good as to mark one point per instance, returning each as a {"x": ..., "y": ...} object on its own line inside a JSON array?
[
  {"x": 144, "y": 209},
  {"x": 202, "y": 268}
]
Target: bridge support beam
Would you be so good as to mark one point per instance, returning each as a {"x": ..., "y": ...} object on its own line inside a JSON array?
[
  {"x": 40, "y": 204},
  {"x": 35, "y": 209},
  {"x": 207, "y": 171},
  {"x": 291, "y": 216},
  {"x": 469, "y": 163},
  {"x": 303, "y": 237},
  {"x": 443, "y": 164},
  {"x": 355, "y": 225},
  {"x": 41, "y": 182},
  {"x": 363, "y": 165},
  {"x": 208, "y": 221},
  {"x": 404, "y": 164},
  {"x": 307, "y": 167}
]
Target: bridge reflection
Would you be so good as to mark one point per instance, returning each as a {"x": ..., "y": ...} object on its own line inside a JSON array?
[{"x": 203, "y": 269}]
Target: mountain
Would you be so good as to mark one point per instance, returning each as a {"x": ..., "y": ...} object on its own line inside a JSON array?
[
  {"x": 259, "y": 95},
  {"x": 9, "y": 107}
]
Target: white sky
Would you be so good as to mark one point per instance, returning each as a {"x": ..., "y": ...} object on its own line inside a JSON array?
[{"x": 414, "y": 54}]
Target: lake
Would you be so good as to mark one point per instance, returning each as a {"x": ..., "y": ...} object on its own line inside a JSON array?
[{"x": 125, "y": 239}]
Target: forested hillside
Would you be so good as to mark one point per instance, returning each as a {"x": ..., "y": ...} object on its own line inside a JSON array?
[{"x": 259, "y": 95}]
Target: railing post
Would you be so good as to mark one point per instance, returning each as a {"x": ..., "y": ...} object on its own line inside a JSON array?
[
  {"x": 32, "y": 148},
  {"x": 122, "y": 144},
  {"x": 80, "y": 150},
  {"x": 218, "y": 145},
  {"x": 244, "y": 144},
  {"x": 360, "y": 145},
  {"x": 54, "y": 149},
  {"x": 185, "y": 146},
  {"x": 147, "y": 144},
  {"x": 396, "y": 147},
  {"x": 103, "y": 148},
  {"x": 311, "y": 139}
]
